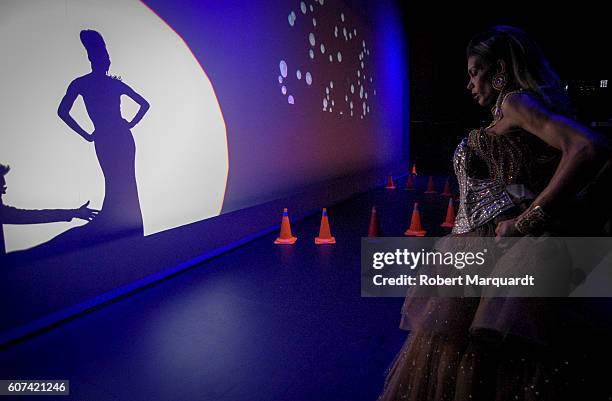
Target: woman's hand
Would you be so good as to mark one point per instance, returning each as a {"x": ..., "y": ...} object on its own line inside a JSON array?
[{"x": 507, "y": 228}]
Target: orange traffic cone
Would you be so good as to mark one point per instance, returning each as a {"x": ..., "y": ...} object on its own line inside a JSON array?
[
  {"x": 374, "y": 229},
  {"x": 285, "y": 237},
  {"x": 390, "y": 184},
  {"x": 415, "y": 230},
  {"x": 410, "y": 183},
  {"x": 324, "y": 232},
  {"x": 414, "y": 169},
  {"x": 450, "y": 215},
  {"x": 447, "y": 189},
  {"x": 430, "y": 186}
]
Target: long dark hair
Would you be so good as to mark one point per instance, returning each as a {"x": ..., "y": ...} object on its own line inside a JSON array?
[{"x": 526, "y": 66}]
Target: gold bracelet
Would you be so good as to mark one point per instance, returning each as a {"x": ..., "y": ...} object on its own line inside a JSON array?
[{"x": 534, "y": 220}]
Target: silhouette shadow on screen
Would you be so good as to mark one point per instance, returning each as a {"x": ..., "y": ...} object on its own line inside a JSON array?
[
  {"x": 13, "y": 215},
  {"x": 115, "y": 148}
]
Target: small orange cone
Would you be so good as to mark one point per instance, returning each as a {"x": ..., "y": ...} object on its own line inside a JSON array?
[
  {"x": 414, "y": 169},
  {"x": 374, "y": 229},
  {"x": 410, "y": 183},
  {"x": 447, "y": 189},
  {"x": 325, "y": 236},
  {"x": 450, "y": 215},
  {"x": 430, "y": 186},
  {"x": 390, "y": 184},
  {"x": 415, "y": 230},
  {"x": 285, "y": 237}
]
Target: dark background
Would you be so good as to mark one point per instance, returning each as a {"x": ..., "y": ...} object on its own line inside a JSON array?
[{"x": 575, "y": 41}]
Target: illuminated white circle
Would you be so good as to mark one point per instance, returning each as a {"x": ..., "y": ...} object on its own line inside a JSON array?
[
  {"x": 303, "y": 7},
  {"x": 284, "y": 90},
  {"x": 181, "y": 177},
  {"x": 324, "y": 102},
  {"x": 331, "y": 58},
  {"x": 352, "y": 89},
  {"x": 311, "y": 39},
  {"x": 322, "y": 48},
  {"x": 331, "y": 84},
  {"x": 308, "y": 78},
  {"x": 327, "y": 90},
  {"x": 314, "y": 22},
  {"x": 339, "y": 57},
  {"x": 311, "y": 53},
  {"x": 290, "y": 99},
  {"x": 311, "y": 8},
  {"x": 283, "y": 68},
  {"x": 298, "y": 74},
  {"x": 280, "y": 79},
  {"x": 342, "y": 16}
]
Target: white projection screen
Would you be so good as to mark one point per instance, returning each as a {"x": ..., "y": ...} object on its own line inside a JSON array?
[{"x": 181, "y": 143}]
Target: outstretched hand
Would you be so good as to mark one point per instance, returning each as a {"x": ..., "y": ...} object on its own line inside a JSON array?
[{"x": 85, "y": 213}]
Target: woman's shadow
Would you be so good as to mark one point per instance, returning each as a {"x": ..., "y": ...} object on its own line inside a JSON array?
[{"x": 115, "y": 148}]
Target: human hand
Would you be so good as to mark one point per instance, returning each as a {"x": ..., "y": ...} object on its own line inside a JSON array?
[
  {"x": 506, "y": 229},
  {"x": 85, "y": 213}
]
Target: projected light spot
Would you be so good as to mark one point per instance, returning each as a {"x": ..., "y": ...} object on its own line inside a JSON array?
[
  {"x": 374, "y": 92},
  {"x": 333, "y": 103},
  {"x": 358, "y": 73},
  {"x": 368, "y": 109},
  {"x": 350, "y": 35},
  {"x": 322, "y": 49},
  {"x": 314, "y": 22},
  {"x": 327, "y": 90},
  {"x": 355, "y": 32},
  {"x": 336, "y": 31},
  {"x": 291, "y": 18},
  {"x": 363, "y": 43},
  {"x": 346, "y": 98},
  {"x": 342, "y": 16},
  {"x": 290, "y": 100},
  {"x": 311, "y": 53},
  {"x": 284, "y": 90},
  {"x": 311, "y": 8},
  {"x": 330, "y": 109},
  {"x": 339, "y": 57},
  {"x": 311, "y": 39},
  {"x": 298, "y": 74},
  {"x": 180, "y": 178},
  {"x": 344, "y": 32},
  {"x": 325, "y": 102},
  {"x": 352, "y": 89},
  {"x": 331, "y": 84},
  {"x": 362, "y": 65},
  {"x": 351, "y": 105},
  {"x": 280, "y": 79},
  {"x": 366, "y": 95},
  {"x": 321, "y": 2},
  {"x": 361, "y": 92},
  {"x": 308, "y": 78},
  {"x": 283, "y": 68},
  {"x": 331, "y": 59},
  {"x": 303, "y": 7}
]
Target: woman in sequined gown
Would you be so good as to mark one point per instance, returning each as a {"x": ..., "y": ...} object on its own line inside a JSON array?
[{"x": 532, "y": 154}]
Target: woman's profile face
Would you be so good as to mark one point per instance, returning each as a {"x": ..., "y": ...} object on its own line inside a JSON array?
[{"x": 480, "y": 77}]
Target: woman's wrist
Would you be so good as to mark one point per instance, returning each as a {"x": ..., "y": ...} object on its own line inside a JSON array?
[{"x": 534, "y": 220}]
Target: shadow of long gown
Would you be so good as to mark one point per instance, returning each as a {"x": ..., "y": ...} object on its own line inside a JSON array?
[{"x": 115, "y": 148}]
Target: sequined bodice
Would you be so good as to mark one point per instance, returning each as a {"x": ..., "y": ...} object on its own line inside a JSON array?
[{"x": 488, "y": 166}]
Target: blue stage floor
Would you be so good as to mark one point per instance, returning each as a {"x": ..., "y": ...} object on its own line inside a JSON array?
[{"x": 262, "y": 322}]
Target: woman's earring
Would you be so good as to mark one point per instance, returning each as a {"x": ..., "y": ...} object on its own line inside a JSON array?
[{"x": 499, "y": 81}]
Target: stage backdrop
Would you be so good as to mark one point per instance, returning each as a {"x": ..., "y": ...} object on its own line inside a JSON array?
[{"x": 247, "y": 102}]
